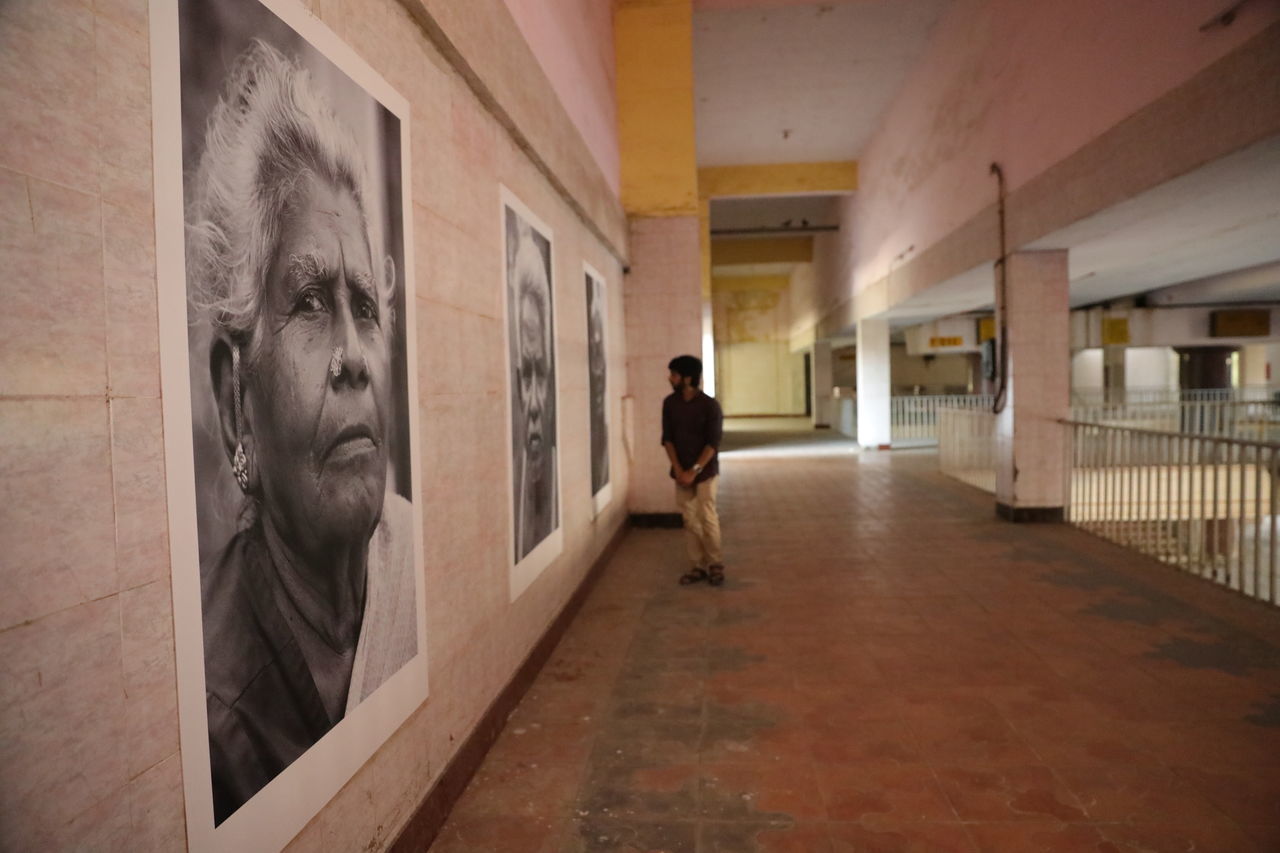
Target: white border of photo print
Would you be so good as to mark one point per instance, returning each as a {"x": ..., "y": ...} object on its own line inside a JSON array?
[
  {"x": 527, "y": 566},
  {"x": 598, "y": 289},
  {"x": 376, "y": 118}
]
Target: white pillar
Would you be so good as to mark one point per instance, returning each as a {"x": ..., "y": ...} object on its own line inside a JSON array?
[
  {"x": 1115, "y": 383},
  {"x": 708, "y": 349},
  {"x": 1031, "y": 466},
  {"x": 873, "y": 384},
  {"x": 824, "y": 414}
]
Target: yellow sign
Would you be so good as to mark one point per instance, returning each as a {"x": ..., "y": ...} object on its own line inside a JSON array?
[
  {"x": 986, "y": 329},
  {"x": 946, "y": 342},
  {"x": 1115, "y": 331}
]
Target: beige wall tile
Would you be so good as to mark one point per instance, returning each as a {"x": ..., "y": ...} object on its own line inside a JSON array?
[
  {"x": 456, "y": 268},
  {"x": 137, "y": 470},
  {"x": 51, "y": 335},
  {"x": 156, "y": 808},
  {"x": 129, "y": 271},
  {"x": 104, "y": 826},
  {"x": 150, "y": 683},
  {"x": 131, "y": 14},
  {"x": 58, "y": 524},
  {"x": 63, "y": 728},
  {"x": 45, "y": 79},
  {"x": 17, "y": 221}
]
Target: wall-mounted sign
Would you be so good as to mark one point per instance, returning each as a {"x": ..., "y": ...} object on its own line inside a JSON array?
[
  {"x": 1115, "y": 331},
  {"x": 1240, "y": 323},
  {"x": 986, "y": 329},
  {"x": 952, "y": 341}
]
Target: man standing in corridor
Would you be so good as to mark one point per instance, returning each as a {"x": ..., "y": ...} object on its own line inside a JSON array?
[{"x": 692, "y": 424}]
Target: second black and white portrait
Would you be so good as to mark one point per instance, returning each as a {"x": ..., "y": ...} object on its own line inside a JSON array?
[{"x": 532, "y": 369}]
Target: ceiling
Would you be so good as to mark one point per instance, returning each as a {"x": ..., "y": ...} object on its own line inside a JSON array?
[
  {"x": 1212, "y": 235},
  {"x": 798, "y": 82},
  {"x": 773, "y": 213}
]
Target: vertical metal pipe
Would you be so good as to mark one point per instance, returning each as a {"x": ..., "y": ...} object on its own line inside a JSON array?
[
  {"x": 1113, "y": 487},
  {"x": 1255, "y": 573},
  {"x": 1273, "y": 579},
  {"x": 1203, "y": 497},
  {"x": 1170, "y": 514},
  {"x": 1236, "y": 510}
]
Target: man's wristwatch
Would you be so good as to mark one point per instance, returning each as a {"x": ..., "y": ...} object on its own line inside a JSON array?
[{"x": 697, "y": 469}]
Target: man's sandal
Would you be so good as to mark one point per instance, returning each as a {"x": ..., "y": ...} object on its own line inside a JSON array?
[
  {"x": 715, "y": 575},
  {"x": 692, "y": 576}
]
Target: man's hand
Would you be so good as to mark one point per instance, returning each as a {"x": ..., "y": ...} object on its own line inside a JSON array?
[{"x": 685, "y": 477}]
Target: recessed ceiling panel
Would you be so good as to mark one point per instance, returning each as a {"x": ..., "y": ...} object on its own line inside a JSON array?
[
  {"x": 801, "y": 83},
  {"x": 769, "y": 213}
]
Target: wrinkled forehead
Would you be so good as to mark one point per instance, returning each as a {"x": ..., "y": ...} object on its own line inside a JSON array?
[{"x": 532, "y": 323}]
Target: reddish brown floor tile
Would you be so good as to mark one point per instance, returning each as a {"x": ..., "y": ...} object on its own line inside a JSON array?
[
  {"x": 624, "y": 836},
  {"x": 890, "y": 668},
  {"x": 503, "y": 788},
  {"x": 972, "y": 740},
  {"x": 1179, "y": 835},
  {"x": 760, "y": 791},
  {"x": 639, "y": 792},
  {"x": 1246, "y": 796},
  {"x": 860, "y": 741},
  {"x": 1040, "y": 837},
  {"x": 1011, "y": 792},
  {"x": 899, "y": 837},
  {"x": 495, "y": 832},
  {"x": 1119, "y": 792},
  {"x": 893, "y": 791},
  {"x": 756, "y": 838}
]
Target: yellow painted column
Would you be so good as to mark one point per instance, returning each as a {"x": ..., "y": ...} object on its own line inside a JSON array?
[
  {"x": 653, "y": 42},
  {"x": 668, "y": 241}
]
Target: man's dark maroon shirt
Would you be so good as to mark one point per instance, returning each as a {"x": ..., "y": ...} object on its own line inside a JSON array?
[{"x": 692, "y": 425}]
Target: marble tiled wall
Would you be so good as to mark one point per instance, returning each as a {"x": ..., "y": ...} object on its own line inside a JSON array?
[
  {"x": 88, "y": 702},
  {"x": 88, "y": 711},
  {"x": 1030, "y": 443},
  {"x": 664, "y": 310}
]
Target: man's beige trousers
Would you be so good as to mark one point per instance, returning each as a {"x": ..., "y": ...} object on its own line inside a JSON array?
[{"x": 697, "y": 504}]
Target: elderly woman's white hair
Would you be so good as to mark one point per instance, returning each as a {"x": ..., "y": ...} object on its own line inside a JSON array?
[
  {"x": 530, "y": 274},
  {"x": 269, "y": 129}
]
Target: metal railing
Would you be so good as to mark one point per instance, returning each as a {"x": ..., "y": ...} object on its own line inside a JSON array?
[
  {"x": 967, "y": 446},
  {"x": 1252, "y": 421},
  {"x": 1131, "y": 396},
  {"x": 914, "y": 419},
  {"x": 1201, "y": 502}
]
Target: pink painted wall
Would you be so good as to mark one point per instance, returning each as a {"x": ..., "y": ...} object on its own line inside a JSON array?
[
  {"x": 573, "y": 42},
  {"x": 1026, "y": 84}
]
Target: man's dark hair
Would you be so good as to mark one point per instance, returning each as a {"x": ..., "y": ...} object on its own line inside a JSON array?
[{"x": 687, "y": 365}]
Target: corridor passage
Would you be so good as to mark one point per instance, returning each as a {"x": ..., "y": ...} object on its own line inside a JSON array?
[{"x": 889, "y": 668}]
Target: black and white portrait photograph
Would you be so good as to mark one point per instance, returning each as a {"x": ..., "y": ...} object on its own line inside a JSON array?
[
  {"x": 598, "y": 387},
  {"x": 531, "y": 353},
  {"x": 295, "y": 320}
]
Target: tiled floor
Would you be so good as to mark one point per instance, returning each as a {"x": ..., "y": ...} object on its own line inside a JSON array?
[{"x": 889, "y": 668}]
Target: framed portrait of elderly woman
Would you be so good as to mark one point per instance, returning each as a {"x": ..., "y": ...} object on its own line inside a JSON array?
[
  {"x": 533, "y": 397},
  {"x": 286, "y": 311},
  {"x": 598, "y": 386}
]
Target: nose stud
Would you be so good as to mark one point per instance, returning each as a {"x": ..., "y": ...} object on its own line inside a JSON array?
[{"x": 335, "y": 362}]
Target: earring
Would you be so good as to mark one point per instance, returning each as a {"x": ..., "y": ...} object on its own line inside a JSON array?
[
  {"x": 240, "y": 467},
  {"x": 239, "y": 459},
  {"x": 335, "y": 362}
]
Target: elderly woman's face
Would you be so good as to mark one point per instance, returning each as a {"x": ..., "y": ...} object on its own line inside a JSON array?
[
  {"x": 534, "y": 375},
  {"x": 318, "y": 406},
  {"x": 595, "y": 349}
]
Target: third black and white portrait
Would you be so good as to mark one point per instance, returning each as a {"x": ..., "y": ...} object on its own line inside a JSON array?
[
  {"x": 597, "y": 384},
  {"x": 532, "y": 365}
]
